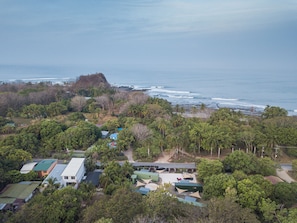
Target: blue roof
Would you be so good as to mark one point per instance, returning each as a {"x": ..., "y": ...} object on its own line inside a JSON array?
[
  {"x": 143, "y": 190},
  {"x": 114, "y": 136},
  {"x": 56, "y": 173},
  {"x": 191, "y": 199},
  {"x": 195, "y": 203}
]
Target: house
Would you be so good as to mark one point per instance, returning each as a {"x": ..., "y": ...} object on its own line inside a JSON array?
[
  {"x": 15, "y": 195},
  {"x": 112, "y": 145},
  {"x": 104, "y": 134},
  {"x": 114, "y": 136},
  {"x": 28, "y": 167},
  {"x": 55, "y": 174},
  {"x": 74, "y": 172},
  {"x": 44, "y": 167}
]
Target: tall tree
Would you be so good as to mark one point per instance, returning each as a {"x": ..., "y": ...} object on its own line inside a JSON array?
[
  {"x": 208, "y": 168},
  {"x": 274, "y": 111}
]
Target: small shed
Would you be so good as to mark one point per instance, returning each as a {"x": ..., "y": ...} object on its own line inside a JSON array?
[
  {"x": 189, "y": 186},
  {"x": 143, "y": 190}
]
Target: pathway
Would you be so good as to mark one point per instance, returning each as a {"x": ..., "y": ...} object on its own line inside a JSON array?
[{"x": 283, "y": 174}]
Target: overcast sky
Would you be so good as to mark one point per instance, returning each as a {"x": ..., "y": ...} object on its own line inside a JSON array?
[{"x": 163, "y": 34}]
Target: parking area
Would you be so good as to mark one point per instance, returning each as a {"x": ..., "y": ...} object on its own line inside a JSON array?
[{"x": 171, "y": 178}]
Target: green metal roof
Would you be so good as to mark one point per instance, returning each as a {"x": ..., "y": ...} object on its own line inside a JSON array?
[
  {"x": 44, "y": 165},
  {"x": 21, "y": 190},
  {"x": 7, "y": 200}
]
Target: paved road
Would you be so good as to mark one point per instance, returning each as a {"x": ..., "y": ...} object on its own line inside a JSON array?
[
  {"x": 286, "y": 166},
  {"x": 283, "y": 172}
]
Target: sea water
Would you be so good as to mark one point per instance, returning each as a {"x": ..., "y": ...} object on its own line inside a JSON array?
[{"x": 247, "y": 90}]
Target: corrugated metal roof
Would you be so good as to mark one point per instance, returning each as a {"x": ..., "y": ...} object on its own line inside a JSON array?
[
  {"x": 28, "y": 167},
  {"x": 44, "y": 165},
  {"x": 73, "y": 166},
  {"x": 56, "y": 173},
  {"x": 21, "y": 190}
]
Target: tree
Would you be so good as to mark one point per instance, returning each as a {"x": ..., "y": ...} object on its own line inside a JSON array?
[
  {"x": 208, "y": 168},
  {"x": 125, "y": 139},
  {"x": 239, "y": 160},
  {"x": 274, "y": 111},
  {"x": 115, "y": 207},
  {"x": 210, "y": 141},
  {"x": 224, "y": 114},
  {"x": 287, "y": 215},
  {"x": 216, "y": 185},
  {"x": 142, "y": 135},
  {"x": 50, "y": 128},
  {"x": 51, "y": 185},
  {"x": 112, "y": 125},
  {"x": 248, "y": 136},
  {"x": 103, "y": 102},
  {"x": 60, "y": 206},
  {"x": 81, "y": 136},
  {"x": 76, "y": 117},
  {"x": 266, "y": 166},
  {"x": 78, "y": 103},
  {"x": 285, "y": 193},
  {"x": 198, "y": 133},
  {"x": 249, "y": 194},
  {"x": 264, "y": 184},
  {"x": 226, "y": 210},
  {"x": 114, "y": 177},
  {"x": 141, "y": 132},
  {"x": 162, "y": 126},
  {"x": 56, "y": 108},
  {"x": 267, "y": 209},
  {"x": 161, "y": 205},
  {"x": 34, "y": 111}
]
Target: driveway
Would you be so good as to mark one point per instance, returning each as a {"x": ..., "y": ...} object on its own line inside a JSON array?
[
  {"x": 129, "y": 154},
  {"x": 283, "y": 174}
]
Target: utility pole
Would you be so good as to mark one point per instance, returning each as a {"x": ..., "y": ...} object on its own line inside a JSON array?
[
  {"x": 262, "y": 153},
  {"x": 275, "y": 153}
]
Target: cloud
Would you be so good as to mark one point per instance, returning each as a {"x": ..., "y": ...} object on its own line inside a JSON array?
[
  {"x": 216, "y": 16},
  {"x": 146, "y": 17}
]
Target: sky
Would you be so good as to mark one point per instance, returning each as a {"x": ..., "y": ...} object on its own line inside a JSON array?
[{"x": 163, "y": 34}]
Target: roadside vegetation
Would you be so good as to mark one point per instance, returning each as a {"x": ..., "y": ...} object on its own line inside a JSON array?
[{"x": 233, "y": 153}]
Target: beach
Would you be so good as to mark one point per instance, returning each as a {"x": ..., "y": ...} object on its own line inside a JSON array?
[{"x": 249, "y": 91}]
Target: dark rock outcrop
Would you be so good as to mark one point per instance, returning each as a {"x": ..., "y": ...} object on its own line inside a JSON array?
[{"x": 91, "y": 81}]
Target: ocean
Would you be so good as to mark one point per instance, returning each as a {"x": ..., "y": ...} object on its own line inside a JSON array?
[{"x": 246, "y": 90}]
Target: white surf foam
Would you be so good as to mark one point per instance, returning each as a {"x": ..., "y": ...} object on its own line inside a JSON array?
[{"x": 224, "y": 99}]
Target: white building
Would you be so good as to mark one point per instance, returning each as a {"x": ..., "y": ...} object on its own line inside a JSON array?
[
  {"x": 74, "y": 172},
  {"x": 28, "y": 167}
]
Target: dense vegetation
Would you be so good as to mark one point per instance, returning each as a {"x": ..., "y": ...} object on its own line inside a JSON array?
[{"x": 46, "y": 120}]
